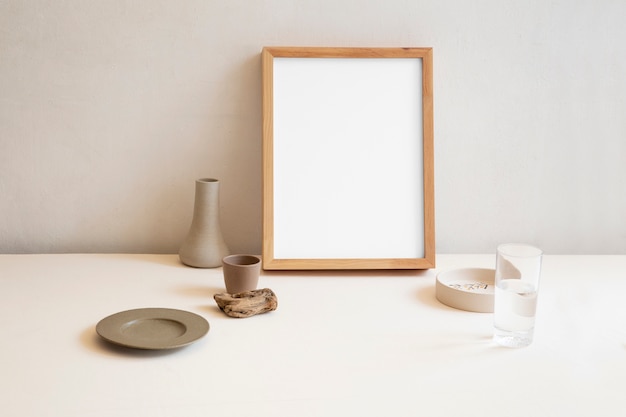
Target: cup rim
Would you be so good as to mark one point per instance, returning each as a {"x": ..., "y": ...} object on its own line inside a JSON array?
[
  {"x": 250, "y": 260},
  {"x": 520, "y": 250}
]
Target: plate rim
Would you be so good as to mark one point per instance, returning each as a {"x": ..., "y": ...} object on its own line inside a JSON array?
[{"x": 109, "y": 327}]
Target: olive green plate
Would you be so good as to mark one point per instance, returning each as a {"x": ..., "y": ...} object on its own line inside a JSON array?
[{"x": 153, "y": 328}]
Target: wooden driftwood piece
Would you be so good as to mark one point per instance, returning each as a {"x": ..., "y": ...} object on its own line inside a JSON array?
[{"x": 247, "y": 304}]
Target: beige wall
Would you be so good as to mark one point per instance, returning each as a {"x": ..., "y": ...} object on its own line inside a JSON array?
[{"x": 109, "y": 110}]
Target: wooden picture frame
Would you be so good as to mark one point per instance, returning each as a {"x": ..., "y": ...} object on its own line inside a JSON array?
[{"x": 348, "y": 158}]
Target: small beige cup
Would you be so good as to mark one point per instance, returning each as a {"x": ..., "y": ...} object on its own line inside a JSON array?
[{"x": 241, "y": 273}]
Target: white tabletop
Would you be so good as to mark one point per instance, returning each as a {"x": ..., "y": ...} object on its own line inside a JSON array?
[{"x": 340, "y": 343}]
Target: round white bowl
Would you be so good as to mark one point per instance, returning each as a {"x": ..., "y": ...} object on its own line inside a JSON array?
[{"x": 469, "y": 289}]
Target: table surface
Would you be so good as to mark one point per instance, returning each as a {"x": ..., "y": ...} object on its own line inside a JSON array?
[{"x": 340, "y": 343}]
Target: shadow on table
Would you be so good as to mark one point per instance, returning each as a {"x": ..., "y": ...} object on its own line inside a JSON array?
[
  {"x": 481, "y": 340},
  {"x": 428, "y": 296},
  {"x": 90, "y": 339}
]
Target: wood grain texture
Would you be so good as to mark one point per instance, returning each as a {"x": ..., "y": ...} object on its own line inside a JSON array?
[
  {"x": 270, "y": 260},
  {"x": 343, "y": 52},
  {"x": 247, "y": 304},
  {"x": 268, "y": 154}
]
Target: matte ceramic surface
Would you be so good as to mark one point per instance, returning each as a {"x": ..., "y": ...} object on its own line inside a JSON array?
[
  {"x": 204, "y": 246},
  {"x": 153, "y": 328},
  {"x": 469, "y": 289},
  {"x": 241, "y": 273}
]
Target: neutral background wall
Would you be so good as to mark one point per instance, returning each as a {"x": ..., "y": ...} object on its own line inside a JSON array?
[{"x": 109, "y": 110}]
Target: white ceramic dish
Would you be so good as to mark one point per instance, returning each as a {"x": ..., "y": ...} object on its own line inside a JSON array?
[
  {"x": 469, "y": 289},
  {"x": 153, "y": 328}
]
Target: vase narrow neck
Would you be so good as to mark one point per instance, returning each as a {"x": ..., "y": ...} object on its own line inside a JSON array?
[{"x": 206, "y": 204}]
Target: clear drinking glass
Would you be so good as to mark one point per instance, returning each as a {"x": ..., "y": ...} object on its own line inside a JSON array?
[{"x": 518, "y": 268}]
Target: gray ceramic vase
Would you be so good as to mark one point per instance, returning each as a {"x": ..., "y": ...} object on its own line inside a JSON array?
[{"x": 204, "y": 246}]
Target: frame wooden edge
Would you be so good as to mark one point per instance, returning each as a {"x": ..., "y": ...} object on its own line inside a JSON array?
[
  {"x": 429, "y": 260},
  {"x": 429, "y": 156},
  {"x": 342, "y": 52},
  {"x": 348, "y": 264},
  {"x": 267, "y": 157}
]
